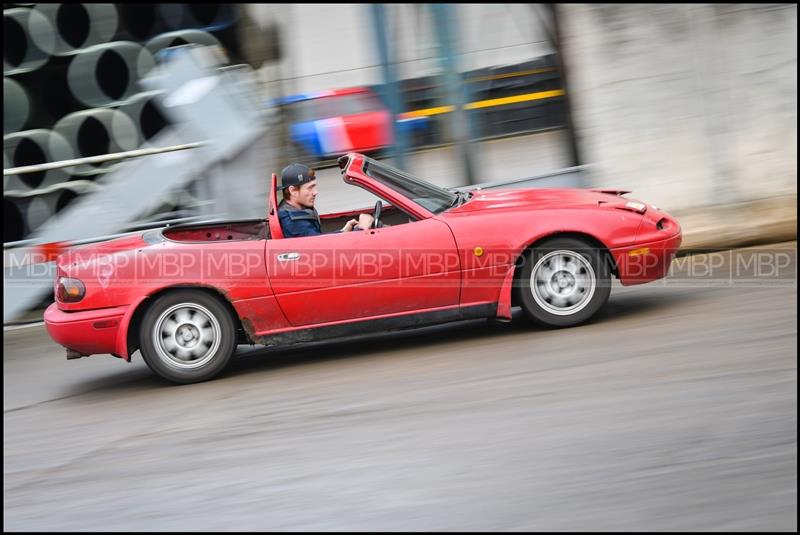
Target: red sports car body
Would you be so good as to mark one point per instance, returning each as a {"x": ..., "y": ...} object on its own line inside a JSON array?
[{"x": 185, "y": 296}]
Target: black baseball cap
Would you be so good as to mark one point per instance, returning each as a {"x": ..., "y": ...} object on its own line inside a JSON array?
[{"x": 296, "y": 174}]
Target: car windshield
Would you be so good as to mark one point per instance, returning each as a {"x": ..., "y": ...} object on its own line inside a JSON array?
[{"x": 432, "y": 198}]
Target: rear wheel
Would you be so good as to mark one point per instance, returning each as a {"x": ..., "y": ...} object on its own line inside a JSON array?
[
  {"x": 564, "y": 282},
  {"x": 187, "y": 336}
]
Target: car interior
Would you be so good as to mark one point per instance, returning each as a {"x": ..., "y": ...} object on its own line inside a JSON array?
[
  {"x": 389, "y": 217},
  {"x": 260, "y": 229}
]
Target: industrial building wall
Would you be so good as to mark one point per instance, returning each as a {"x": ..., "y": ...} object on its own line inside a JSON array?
[
  {"x": 689, "y": 105},
  {"x": 329, "y": 46}
]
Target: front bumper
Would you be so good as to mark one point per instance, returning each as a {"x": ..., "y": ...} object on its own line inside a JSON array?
[
  {"x": 88, "y": 332},
  {"x": 646, "y": 262}
]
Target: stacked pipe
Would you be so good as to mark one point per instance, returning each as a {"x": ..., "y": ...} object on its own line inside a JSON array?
[{"x": 71, "y": 89}]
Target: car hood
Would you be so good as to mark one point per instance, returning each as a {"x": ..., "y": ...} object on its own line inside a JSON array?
[{"x": 543, "y": 199}]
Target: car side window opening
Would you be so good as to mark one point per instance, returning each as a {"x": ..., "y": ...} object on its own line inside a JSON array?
[
  {"x": 430, "y": 197},
  {"x": 364, "y": 202}
]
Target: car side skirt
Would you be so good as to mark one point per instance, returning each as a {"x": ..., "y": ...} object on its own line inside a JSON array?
[{"x": 379, "y": 325}]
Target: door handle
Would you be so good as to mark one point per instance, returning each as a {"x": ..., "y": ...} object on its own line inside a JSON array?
[{"x": 288, "y": 256}]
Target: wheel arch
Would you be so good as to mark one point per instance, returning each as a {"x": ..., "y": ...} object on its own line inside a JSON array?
[
  {"x": 132, "y": 332},
  {"x": 583, "y": 236}
]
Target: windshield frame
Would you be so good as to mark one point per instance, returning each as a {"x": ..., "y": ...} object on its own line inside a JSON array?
[{"x": 434, "y": 198}]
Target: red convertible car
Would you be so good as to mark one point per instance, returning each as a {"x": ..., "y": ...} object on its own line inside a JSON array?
[{"x": 186, "y": 296}]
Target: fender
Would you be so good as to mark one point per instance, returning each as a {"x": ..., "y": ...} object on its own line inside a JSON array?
[
  {"x": 122, "y": 332},
  {"x": 504, "y": 302}
]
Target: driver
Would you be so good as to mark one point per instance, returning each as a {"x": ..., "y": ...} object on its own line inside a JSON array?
[{"x": 296, "y": 211}]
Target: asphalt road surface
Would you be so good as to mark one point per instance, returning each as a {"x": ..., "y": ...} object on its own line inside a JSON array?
[{"x": 675, "y": 409}]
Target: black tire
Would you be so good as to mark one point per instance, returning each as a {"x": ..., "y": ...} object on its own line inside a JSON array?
[
  {"x": 197, "y": 336},
  {"x": 574, "y": 282}
]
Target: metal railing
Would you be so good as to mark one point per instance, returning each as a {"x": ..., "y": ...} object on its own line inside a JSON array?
[{"x": 37, "y": 168}]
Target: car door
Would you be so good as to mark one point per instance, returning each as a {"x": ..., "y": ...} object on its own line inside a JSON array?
[{"x": 365, "y": 274}]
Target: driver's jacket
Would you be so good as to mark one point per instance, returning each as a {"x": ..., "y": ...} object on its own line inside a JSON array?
[{"x": 297, "y": 222}]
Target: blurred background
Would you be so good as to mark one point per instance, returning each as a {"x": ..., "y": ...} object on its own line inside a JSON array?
[{"x": 459, "y": 94}]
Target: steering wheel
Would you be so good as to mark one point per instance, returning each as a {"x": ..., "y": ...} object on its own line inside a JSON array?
[{"x": 377, "y": 215}]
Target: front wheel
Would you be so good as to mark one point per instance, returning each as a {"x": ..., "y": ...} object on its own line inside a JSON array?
[
  {"x": 563, "y": 282},
  {"x": 187, "y": 336}
]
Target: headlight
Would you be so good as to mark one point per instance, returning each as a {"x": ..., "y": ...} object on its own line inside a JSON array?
[{"x": 69, "y": 290}]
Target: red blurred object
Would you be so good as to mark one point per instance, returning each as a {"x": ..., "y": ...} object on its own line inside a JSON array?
[
  {"x": 50, "y": 251},
  {"x": 337, "y": 121}
]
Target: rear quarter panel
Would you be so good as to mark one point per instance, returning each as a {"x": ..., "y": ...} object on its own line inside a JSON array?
[{"x": 235, "y": 268}]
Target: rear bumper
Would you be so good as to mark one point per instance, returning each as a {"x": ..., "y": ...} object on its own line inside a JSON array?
[
  {"x": 646, "y": 262},
  {"x": 88, "y": 332}
]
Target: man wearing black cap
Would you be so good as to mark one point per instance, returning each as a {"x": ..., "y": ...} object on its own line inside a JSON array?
[{"x": 297, "y": 213}]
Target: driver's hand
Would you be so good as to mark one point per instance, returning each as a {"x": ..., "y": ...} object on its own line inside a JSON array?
[
  {"x": 365, "y": 221},
  {"x": 350, "y": 225}
]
